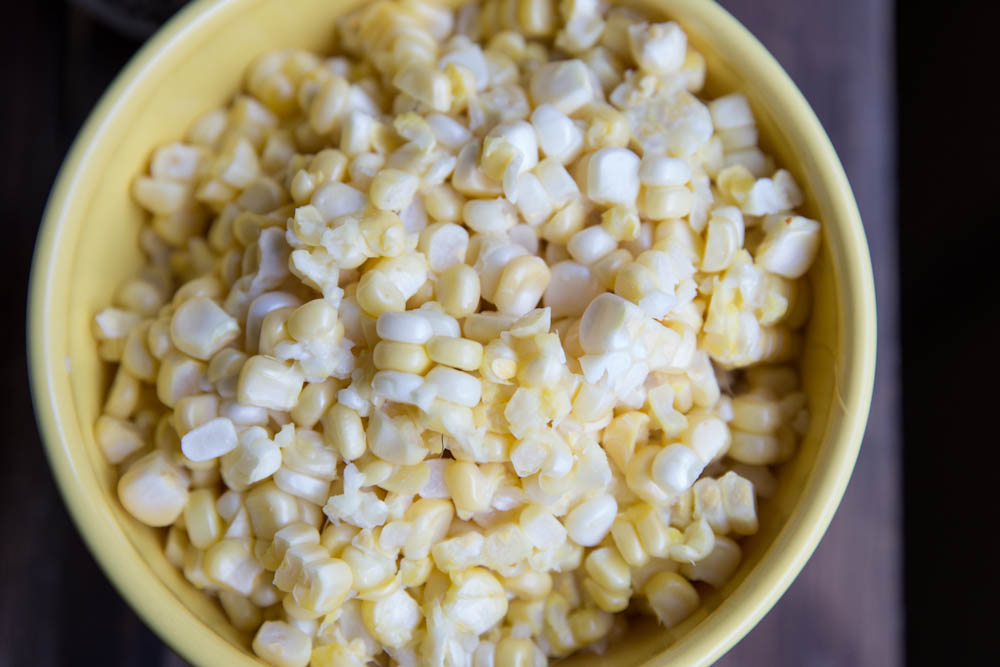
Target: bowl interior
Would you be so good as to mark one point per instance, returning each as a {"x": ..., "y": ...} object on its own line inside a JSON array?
[{"x": 89, "y": 245}]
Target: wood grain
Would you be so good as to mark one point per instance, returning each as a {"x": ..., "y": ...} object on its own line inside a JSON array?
[
  {"x": 57, "y": 608},
  {"x": 846, "y": 608}
]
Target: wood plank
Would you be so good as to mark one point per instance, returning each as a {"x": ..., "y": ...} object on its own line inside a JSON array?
[{"x": 846, "y": 606}]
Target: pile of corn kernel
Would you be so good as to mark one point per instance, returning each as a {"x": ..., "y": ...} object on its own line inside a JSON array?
[{"x": 455, "y": 345}]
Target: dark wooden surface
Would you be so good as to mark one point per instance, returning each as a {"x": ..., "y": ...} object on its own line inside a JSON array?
[{"x": 57, "y": 608}]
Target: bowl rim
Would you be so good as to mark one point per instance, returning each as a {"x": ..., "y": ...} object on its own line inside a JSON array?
[{"x": 196, "y": 641}]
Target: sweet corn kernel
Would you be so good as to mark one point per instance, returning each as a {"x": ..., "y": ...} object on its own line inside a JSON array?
[
  {"x": 513, "y": 652},
  {"x": 203, "y": 524},
  {"x": 118, "y": 438},
  {"x": 269, "y": 383},
  {"x": 738, "y": 502},
  {"x": 404, "y": 357},
  {"x": 458, "y": 290},
  {"x": 607, "y": 568},
  {"x": 628, "y": 543},
  {"x": 312, "y": 320},
  {"x": 425, "y": 84},
  {"x": 324, "y": 585},
  {"x": 443, "y": 203},
  {"x": 314, "y": 401},
  {"x": 282, "y": 645},
  {"x": 521, "y": 285},
  {"x": 613, "y": 176},
  {"x": 611, "y": 601},
  {"x": 270, "y": 509},
  {"x": 393, "y": 189},
  {"x": 475, "y": 600},
  {"x": 566, "y": 85},
  {"x": 590, "y": 625},
  {"x": 460, "y": 353},
  {"x": 343, "y": 429},
  {"x": 671, "y": 597},
  {"x": 393, "y": 619},
  {"x": 718, "y": 566},
  {"x": 590, "y": 521},
  {"x": 230, "y": 563},
  {"x": 377, "y": 294},
  {"x": 154, "y": 490}
]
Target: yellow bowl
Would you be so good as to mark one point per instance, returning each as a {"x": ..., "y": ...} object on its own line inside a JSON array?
[{"x": 88, "y": 244}]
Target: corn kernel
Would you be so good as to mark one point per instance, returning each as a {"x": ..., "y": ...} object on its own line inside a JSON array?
[
  {"x": 404, "y": 357},
  {"x": 231, "y": 564},
  {"x": 671, "y": 597},
  {"x": 606, "y": 566},
  {"x": 377, "y": 294},
  {"x": 460, "y": 353},
  {"x": 343, "y": 429},
  {"x": 716, "y": 568},
  {"x": 590, "y": 625},
  {"x": 458, "y": 290},
  {"x": 425, "y": 84},
  {"x": 270, "y": 509},
  {"x": 269, "y": 383},
  {"x": 118, "y": 438},
  {"x": 282, "y": 645}
]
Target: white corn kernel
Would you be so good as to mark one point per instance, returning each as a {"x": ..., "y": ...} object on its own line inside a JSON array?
[
  {"x": 716, "y": 568},
  {"x": 489, "y": 215},
  {"x": 724, "y": 239},
  {"x": 570, "y": 290},
  {"x": 671, "y": 597},
  {"x": 613, "y": 176},
  {"x": 404, "y": 327},
  {"x": 154, "y": 490},
  {"x": 210, "y": 440},
  {"x": 656, "y": 170},
  {"x": 676, "y": 468},
  {"x": 282, "y": 645},
  {"x": 460, "y": 353},
  {"x": 589, "y": 245},
  {"x": 118, "y": 438},
  {"x": 230, "y": 563},
  {"x": 200, "y": 328},
  {"x": 256, "y": 457},
  {"x": 324, "y": 585},
  {"x": 269, "y": 383},
  {"x": 790, "y": 247},
  {"x": 393, "y": 189},
  {"x": 739, "y": 503},
  {"x": 393, "y": 619},
  {"x": 659, "y": 48},
  {"x": 521, "y": 285},
  {"x": 475, "y": 600},
  {"x": 454, "y": 386},
  {"x": 567, "y": 85},
  {"x": 444, "y": 244},
  {"x": 559, "y": 137},
  {"x": 396, "y": 386},
  {"x": 426, "y": 84},
  {"x": 300, "y": 485},
  {"x": 730, "y": 111},
  {"x": 590, "y": 521}
]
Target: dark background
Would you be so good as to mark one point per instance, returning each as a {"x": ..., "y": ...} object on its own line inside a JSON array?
[{"x": 898, "y": 574}]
